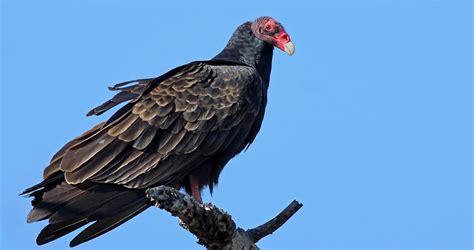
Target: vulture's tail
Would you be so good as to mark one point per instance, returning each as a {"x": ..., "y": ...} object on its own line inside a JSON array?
[{"x": 68, "y": 208}]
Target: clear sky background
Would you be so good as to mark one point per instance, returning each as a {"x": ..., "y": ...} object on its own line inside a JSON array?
[{"x": 369, "y": 124}]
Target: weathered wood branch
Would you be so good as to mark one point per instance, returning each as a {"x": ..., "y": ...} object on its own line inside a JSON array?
[{"x": 215, "y": 228}]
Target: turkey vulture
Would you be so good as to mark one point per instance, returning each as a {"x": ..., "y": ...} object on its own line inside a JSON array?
[{"x": 179, "y": 129}]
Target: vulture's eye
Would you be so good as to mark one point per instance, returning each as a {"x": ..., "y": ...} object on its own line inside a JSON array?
[{"x": 269, "y": 27}]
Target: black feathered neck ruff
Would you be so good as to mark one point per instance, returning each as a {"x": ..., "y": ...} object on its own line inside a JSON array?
[{"x": 244, "y": 47}]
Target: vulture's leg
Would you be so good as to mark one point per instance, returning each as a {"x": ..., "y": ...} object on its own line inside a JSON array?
[{"x": 196, "y": 193}]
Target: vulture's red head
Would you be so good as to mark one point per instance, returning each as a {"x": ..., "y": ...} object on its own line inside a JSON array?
[{"x": 269, "y": 30}]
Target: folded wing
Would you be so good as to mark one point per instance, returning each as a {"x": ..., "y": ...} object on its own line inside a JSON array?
[{"x": 166, "y": 130}]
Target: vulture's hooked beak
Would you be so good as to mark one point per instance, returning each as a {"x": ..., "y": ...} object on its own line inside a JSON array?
[{"x": 289, "y": 48}]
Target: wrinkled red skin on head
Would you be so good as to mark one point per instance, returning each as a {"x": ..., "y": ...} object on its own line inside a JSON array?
[
  {"x": 281, "y": 39},
  {"x": 276, "y": 35}
]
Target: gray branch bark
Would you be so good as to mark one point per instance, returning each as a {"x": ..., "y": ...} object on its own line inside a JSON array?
[{"x": 213, "y": 227}]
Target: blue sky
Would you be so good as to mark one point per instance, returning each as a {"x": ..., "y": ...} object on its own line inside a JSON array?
[{"x": 369, "y": 124}]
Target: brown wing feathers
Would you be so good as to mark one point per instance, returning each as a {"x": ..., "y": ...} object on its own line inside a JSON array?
[{"x": 184, "y": 107}]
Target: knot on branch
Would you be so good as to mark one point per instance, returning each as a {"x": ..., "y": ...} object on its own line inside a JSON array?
[{"x": 214, "y": 228}]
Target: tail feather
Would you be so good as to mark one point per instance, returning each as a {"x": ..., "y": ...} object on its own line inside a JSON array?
[
  {"x": 70, "y": 207},
  {"x": 90, "y": 201},
  {"x": 54, "y": 231},
  {"x": 103, "y": 226},
  {"x": 48, "y": 203}
]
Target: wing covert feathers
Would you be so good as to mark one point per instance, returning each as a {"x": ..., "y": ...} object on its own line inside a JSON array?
[{"x": 198, "y": 105}]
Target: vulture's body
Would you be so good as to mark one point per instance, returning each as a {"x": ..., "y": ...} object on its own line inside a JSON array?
[{"x": 179, "y": 129}]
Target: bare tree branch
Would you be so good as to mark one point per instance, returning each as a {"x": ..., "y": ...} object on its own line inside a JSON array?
[
  {"x": 215, "y": 228},
  {"x": 272, "y": 225}
]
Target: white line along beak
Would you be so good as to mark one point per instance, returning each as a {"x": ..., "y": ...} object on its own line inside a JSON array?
[{"x": 289, "y": 48}]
